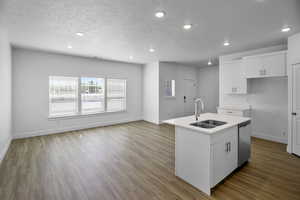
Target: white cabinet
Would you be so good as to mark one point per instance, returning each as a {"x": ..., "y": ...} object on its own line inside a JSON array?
[
  {"x": 233, "y": 78},
  {"x": 224, "y": 156},
  {"x": 266, "y": 65},
  {"x": 234, "y": 74},
  {"x": 252, "y": 67},
  {"x": 203, "y": 160}
]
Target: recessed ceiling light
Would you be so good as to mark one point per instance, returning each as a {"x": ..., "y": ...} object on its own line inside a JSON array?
[
  {"x": 187, "y": 26},
  {"x": 130, "y": 57},
  {"x": 79, "y": 34},
  {"x": 160, "y": 14},
  {"x": 70, "y": 47},
  {"x": 286, "y": 29},
  {"x": 209, "y": 62},
  {"x": 151, "y": 50},
  {"x": 226, "y": 43}
]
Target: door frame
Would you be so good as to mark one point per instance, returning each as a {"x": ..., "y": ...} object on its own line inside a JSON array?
[
  {"x": 292, "y": 118},
  {"x": 290, "y": 108},
  {"x": 195, "y": 84}
]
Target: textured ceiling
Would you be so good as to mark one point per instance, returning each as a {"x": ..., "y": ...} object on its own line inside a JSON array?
[{"x": 116, "y": 29}]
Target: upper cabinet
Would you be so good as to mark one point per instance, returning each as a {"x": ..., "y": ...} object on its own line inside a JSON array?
[
  {"x": 233, "y": 78},
  {"x": 234, "y": 73},
  {"x": 266, "y": 65}
]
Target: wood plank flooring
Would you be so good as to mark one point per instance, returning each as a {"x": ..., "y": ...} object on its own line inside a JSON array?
[{"x": 133, "y": 161}]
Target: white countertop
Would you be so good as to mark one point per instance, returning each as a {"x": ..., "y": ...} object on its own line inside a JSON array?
[{"x": 186, "y": 121}]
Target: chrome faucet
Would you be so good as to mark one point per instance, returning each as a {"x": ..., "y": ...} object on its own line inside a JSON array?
[{"x": 197, "y": 114}]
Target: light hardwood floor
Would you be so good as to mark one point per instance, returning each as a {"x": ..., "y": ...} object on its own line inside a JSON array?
[{"x": 133, "y": 161}]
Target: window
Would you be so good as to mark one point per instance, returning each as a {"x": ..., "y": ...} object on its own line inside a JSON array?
[
  {"x": 70, "y": 96},
  {"x": 170, "y": 88},
  {"x": 63, "y": 96},
  {"x": 92, "y": 95},
  {"x": 116, "y": 95}
]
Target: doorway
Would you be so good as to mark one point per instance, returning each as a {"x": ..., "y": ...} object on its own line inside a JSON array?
[{"x": 189, "y": 96}]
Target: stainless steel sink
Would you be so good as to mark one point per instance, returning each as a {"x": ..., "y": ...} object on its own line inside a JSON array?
[{"x": 208, "y": 124}]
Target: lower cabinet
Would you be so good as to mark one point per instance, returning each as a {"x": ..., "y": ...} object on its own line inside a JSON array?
[
  {"x": 202, "y": 159},
  {"x": 224, "y": 156}
]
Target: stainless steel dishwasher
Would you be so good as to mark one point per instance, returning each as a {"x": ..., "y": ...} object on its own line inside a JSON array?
[{"x": 244, "y": 142}]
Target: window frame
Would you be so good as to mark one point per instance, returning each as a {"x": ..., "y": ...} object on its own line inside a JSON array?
[
  {"x": 106, "y": 97},
  {"x": 79, "y": 112},
  {"x": 173, "y": 89},
  {"x": 80, "y": 97},
  {"x": 49, "y": 99}
]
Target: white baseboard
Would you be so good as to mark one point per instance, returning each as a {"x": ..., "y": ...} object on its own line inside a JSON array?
[
  {"x": 5, "y": 148},
  {"x": 66, "y": 129},
  {"x": 288, "y": 149},
  {"x": 270, "y": 137},
  {"x": 151, "y": 121}
]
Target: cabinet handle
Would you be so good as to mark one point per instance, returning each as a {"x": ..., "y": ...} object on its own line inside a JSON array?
[
  {"x": 263, "y": 72},
  {"x": 260, "y": 72},
  {"x": 227, "y": 147}
]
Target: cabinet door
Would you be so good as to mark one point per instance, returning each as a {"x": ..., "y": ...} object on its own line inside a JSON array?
[
  {"x": 253, "y": 67},
  {"x": 224, "y": 158},
  {"x": 232, "y": 154},
  {"x": 219, "y": 151},
  {"x": 226, "y": 80},
  {"x": 274, "y": 65},
  {"x": 234, "y": 78}
]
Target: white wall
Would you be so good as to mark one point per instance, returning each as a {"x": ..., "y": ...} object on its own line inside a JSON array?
[
  {"x": 31, "y": 70},
  {"x": 151, "y": 92},
  {"x": 174, "y": 107},
  {"x": 268, "y": 98},
  {"x": 208, "y": 87},
  {"x": 293, "y": 49},
  {"x": 5, "y": 92}
]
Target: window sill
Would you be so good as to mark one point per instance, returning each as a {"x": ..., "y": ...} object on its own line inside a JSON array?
[{"x": 81, "y": 115}]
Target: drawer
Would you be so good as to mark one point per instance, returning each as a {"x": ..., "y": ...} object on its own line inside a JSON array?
[{"x": 230, "y": 112}]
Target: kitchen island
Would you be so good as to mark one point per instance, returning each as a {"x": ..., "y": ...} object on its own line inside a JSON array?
[{"x": 207, "y": 150}]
